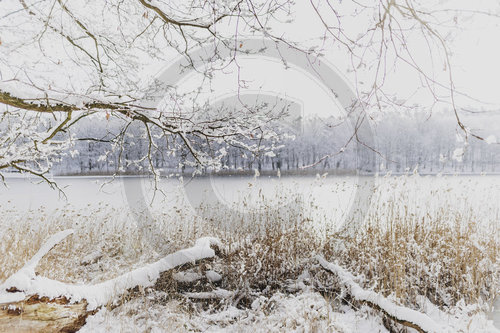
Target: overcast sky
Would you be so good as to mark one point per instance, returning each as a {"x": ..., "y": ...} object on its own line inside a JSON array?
[{"x": 474, "y": 43}]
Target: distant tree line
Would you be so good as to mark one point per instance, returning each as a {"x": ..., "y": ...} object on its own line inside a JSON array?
[{"x": 401, "y": 142}]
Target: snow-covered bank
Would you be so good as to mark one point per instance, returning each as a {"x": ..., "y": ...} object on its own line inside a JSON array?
[
  {"x": 426, "y": 246},
  {"x": 305, "y": 312}
]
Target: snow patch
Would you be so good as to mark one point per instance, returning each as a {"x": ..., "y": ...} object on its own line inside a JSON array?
[
  {"x": 213, "y": 276},
  {"x": 491, "y": 139}
]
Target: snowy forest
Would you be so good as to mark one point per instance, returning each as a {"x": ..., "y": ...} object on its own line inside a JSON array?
[{"x": 431, "y": 144}]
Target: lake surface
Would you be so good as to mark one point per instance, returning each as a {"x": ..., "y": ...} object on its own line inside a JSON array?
[
  {"x": 80, "y": 192},
  {"x": 330, "y": 197},
  {"x": 24, "y": 193}
]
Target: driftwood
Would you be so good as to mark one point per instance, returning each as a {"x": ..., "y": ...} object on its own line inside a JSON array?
[
  {"x": 41, "y": 314},
  {"x": 401, "y": 315},
  {"x": 30, "y": 303}
]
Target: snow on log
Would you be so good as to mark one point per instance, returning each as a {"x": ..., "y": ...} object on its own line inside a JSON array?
[
  {"x": 27, "y": 283},
  {"x": 402, "y": 315},
  {"x": 31, "y": 302},
  {"x": 23, "y": 278}
]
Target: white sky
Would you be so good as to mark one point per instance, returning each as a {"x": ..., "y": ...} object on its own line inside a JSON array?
[
  {"x": 475, "y": 45},
  {"x": 475, "y": 58},
  {"x": 268, "y": 77}
]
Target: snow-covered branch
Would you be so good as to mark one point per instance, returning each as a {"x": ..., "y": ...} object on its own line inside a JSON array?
[
  {"x": 25, "y": 282},
  {"x": 402, "y": 315}
]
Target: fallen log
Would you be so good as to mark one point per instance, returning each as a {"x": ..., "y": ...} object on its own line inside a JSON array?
[
  {"x": 41, "y": 314},
  {"x": 29, "y": 302},
  {"x": 399, "y": 314}
]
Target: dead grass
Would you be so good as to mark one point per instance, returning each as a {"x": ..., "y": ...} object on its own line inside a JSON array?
[{"x": 445, "y": 250}]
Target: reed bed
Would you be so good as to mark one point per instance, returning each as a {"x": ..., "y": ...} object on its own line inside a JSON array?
[{"x": 440, "y": 242}]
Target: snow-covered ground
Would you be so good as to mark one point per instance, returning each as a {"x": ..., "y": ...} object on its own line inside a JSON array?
[
  {"x": 305, "y": 312},
  {"x": 112, "y": 237}
]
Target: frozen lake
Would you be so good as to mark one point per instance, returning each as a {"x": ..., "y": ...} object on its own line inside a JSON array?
[
  {"x": 328, "y": 192},
  {"x": 327, "y": 198},
  {"x": 80, "y": 192}
]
